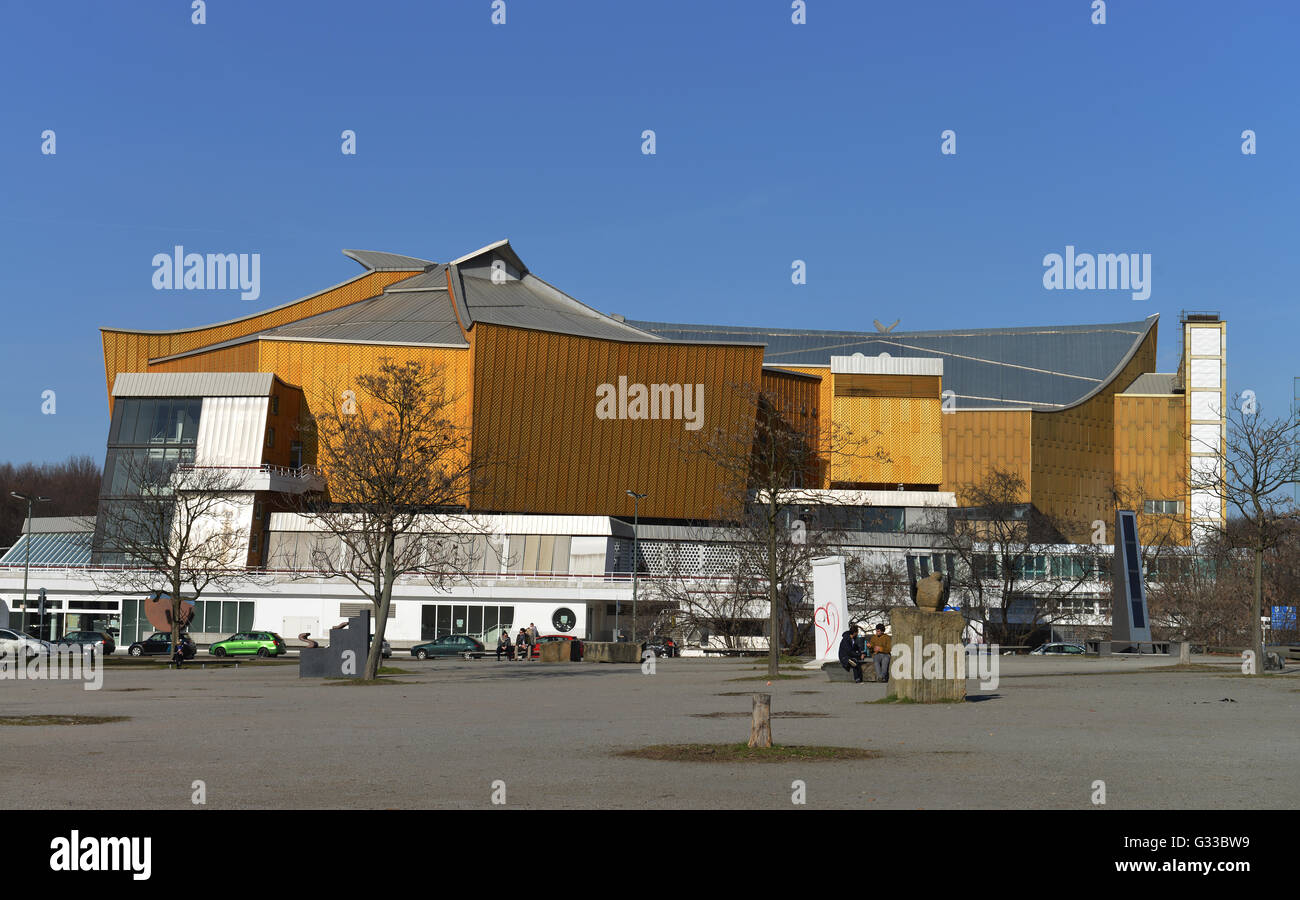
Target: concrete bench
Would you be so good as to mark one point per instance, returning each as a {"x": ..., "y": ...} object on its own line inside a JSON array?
[{"x": 836, "y": 672}]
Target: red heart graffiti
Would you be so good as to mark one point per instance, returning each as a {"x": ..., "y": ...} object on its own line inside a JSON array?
[{"x": 824, "y": 614}]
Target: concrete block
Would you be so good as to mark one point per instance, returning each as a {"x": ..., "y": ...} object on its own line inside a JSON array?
[
  {"x": 612, "y": 652},
  {"x": 555, "y": 651},
  {"x": 928, "y": 661}
]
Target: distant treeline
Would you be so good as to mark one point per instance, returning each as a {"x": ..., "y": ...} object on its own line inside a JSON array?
[{"x": 72, "y": 486}]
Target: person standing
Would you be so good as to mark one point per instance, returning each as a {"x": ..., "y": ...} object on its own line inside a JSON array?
[
  {"x": 532, "y": 633},
  {"x": 850, "y": 655},
  {"x": 881, "y": 644}
]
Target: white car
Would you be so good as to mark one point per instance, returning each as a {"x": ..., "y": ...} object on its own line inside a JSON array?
[
  {"x": 12, "y": 644},
  {"x": 1058, "y": 650}
]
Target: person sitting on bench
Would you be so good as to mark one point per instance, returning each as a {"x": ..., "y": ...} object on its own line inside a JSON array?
[
  {"x": 881, "y": 645},
  {"x": 850, "y": 655}
]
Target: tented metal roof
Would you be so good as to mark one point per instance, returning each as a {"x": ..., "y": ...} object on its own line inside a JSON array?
[
  {"x": 396, "y": 317},
  {"x": 379, "y": 261},
  {"x": 193, "y": 384},
  {"x": 1154, "y": 383},
  {"x": 1045, "y": 367},
  {"x": 532, "y": 303},
  {"x": 60, "y": 548}
]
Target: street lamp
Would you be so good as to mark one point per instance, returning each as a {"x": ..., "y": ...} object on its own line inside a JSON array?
[
  {"x": 636, "y": 500},
  {"x": 29, "y": 499}
]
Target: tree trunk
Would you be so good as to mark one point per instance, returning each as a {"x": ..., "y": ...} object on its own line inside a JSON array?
[
  {"x": 760, "y": 727},
  {"x": 1257, "y": 611},
  {"x": 774, "y": 619},
  {"x": 385, "y": 602}
]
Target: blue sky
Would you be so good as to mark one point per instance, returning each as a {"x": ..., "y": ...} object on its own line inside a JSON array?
[{"x": 775, "y": 142}]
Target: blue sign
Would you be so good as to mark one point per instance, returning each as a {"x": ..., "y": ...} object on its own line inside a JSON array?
[{"x": 1284, "y": 618}]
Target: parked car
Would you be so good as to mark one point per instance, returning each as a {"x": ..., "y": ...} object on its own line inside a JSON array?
[
  {"x": 1057, "y": 649},
  {"x": 259, "y": 643},
  {"x": 102, "y": 641},
  {"x": 662, "y": 646},
  {"x": 450, "y": 645},
  {"x": 387, "y": 650},
  {"x": 551, "y": 638},
  {"x": 160, "y": 644},
  {"x": 13, "y": 643}
]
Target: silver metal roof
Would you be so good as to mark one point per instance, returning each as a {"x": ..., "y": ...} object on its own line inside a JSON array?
[
  {"x": 532, "y": 303},
  {"x": 57, "y": 548},
  {"x": 53, "y": 524},
  {"x": 380, "y": 261},
  {"x": 1154, "y": 383},
  {"x": 1046, "y": 367},
  {"x": 433, "y": 280},
  {"x": 193, "y": 384},
  {"x": 399, "y": 317}
]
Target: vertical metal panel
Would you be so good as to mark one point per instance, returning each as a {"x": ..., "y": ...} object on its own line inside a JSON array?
[
  {"x": 1074, "y": 451},
  {"x": 231, "y": 431},
  {"x": 535, "y": 422},
  {"x": 977, "y": 441}
]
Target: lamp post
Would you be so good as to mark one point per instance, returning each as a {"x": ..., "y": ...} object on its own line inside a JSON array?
[
  {"x": 636, "y": 500},
  {"x": 29, "y": 499}
]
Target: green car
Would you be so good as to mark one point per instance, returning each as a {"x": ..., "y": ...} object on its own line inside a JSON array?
[{"x": 260, "y": 643}]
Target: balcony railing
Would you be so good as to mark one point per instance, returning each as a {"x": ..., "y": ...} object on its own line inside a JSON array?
[{"x": 302, "y": 472}]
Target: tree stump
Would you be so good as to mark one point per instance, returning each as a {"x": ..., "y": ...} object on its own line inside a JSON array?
[{"x": 760, "y": 727}]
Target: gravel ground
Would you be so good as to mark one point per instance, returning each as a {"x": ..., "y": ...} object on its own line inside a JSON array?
[{"x": 259, "y": 737}]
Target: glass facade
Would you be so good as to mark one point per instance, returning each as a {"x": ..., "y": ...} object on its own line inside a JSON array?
[
  {"x": 147, "y": 439},
  {"x": 483, "y": 622}
]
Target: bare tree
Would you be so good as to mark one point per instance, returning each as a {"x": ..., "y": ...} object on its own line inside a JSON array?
[
  {"x": 174, "y": 530},
  {"x": 396, "y": 461},
  {"x": 770, "y": 469},
  {"x": 1200, "y": 593},
  {"x": 875, "y": 586},
  {"x": 1011, "y": 571},
  {"x": 1261, "y": 464},
  {"x": 71, "y": 485},
  {"x": 706, "y": 599}
]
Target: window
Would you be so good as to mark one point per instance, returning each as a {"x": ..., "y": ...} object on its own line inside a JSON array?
[
  {"x": 1162, "y": 507},
  {"x": 275, "y": 404},
  {"x": 270, "y": 437}
]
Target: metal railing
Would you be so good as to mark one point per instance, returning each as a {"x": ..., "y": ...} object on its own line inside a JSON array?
[{"x": 264, "y": 468}]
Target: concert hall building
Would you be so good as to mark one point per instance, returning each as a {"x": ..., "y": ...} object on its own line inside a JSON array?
[{"x": 589, "y": 405}]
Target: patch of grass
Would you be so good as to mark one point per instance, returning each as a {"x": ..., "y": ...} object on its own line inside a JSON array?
[
  {"x": 1185, "y": 667},
  {"x": 775, "y": 715},
  {"x": 780, "y": 676},
  {"x": 353, "y": 682},
  {"x": 398, "y": 670},
  {"x": 60, "y": 720},
  {"x": 741, "y": 753}
]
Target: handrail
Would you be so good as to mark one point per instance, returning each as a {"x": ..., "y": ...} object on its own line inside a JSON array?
[{"x": 269, "y": 468}]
